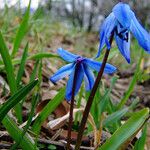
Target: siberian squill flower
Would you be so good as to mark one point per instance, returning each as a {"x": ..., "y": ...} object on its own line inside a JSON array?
[
  {"x": 83, "y": 71},
  {"x": 121, "y": 22}
]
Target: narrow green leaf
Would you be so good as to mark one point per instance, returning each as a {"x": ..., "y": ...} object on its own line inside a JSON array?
[
  {"x": 114, "y": 117},
  {"x": 43, "y": 55},
  {"x": 139, "y": 145},
  {"x": 10, "y": 73},
  {"x": 40, "y": 75},
  {"x": 8, "y": 65},
  {"x": 34, "y": 102},
  {"x": 105, "y": 99},
  {"x": 22, "y": 30},
  {"x": 16, "y": 133},
  {"x": 22, "y": 65},
  {"x": 47, "y": 110},
  {"x": 33, "y": 75},
  {"x": 126, "y": 131},
  {"x": 33, "y": 57},
  {"x": 132, "y": 84},
  {"x": 13, "y": 100}
]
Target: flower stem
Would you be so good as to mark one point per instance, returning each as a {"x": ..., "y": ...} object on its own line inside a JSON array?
[
  {"x": 91, "y": 98},
  {"x": 71, "y": 109}
]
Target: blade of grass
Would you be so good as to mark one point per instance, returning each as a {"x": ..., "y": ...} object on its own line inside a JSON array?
[
  {"x": 9, "y": 124},
  {"x": 43, "y": 55},
  {"x": 22, "y": 65},
  {"x": 13, "y": 100},
  {"x": 47, "y": 110},
  {"x": 126, "y": 131},
  {"x": 33, "y": 57},
  {"x": 10, "y": 73},
  {"x": 132, "y": 84},
  {"x": 8, "y": 65},
  {"x": 34, "y": 102},
  {"x": 140, "y": 144},
  {"x": 33, "y": 75},
  {"x": 16, "y": 133},
  {"x": 114, "y": 117},
  {"x": 105, "y": 99},
  {"x": 40, "y": 74},
  {"x": 22, "y": 30}
]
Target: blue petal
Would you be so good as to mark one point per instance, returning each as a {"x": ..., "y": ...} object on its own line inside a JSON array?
[
  {"x": 67, "y": 56},
  {"x": 123, "y": 15},
  {"x": 140, "y": 34},
  {"x": 79, "y": 78},
  {"x": 62, "y": 72},
  {"x": 88, "y": 77},
  {"x": 106, "y": 31},
  {"x": 124, "y": 46},
  {"x": 95, "y": 65}
]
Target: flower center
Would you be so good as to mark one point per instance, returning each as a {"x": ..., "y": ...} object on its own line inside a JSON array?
[
  {"x": 79, "y": 59},
  {"x": 123, "y": 33}
]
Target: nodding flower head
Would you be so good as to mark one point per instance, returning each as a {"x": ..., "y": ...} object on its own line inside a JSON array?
[
  {"x": 121, "y": 22},
  {"x": 84, "y": 71}
]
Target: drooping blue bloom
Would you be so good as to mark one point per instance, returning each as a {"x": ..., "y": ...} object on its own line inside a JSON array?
[
  {"x": 121, "y": 21},
  {"x": 83, "y": 71}
]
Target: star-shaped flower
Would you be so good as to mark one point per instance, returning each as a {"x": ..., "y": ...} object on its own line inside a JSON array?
[
  {"x": 83, "y": 71},
  {"x": 121, "y": 21}
]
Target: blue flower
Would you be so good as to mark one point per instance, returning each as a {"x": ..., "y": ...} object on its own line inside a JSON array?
[
  {"x": 121, "y": 21},
  {"x": 83, "y": 71}
]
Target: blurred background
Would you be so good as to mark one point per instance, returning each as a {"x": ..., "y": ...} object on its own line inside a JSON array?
[{"x": 83, "y": 14}]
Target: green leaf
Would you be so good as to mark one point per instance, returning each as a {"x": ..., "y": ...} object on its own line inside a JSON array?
[
  {"x": 22, "y": 65},
  {"x": 35, "y": 99},
  {"x": 10, "y": 73},
  {"x": 52, "y": 147},
  {"x": 105, "y": 99},
  {"x": 33, "y": 57},
  {"x": 13, "y": 100},
  {"x": 43, "y": 55},
  {"x": 8, "y": 65},
  {"x": 139, "y": 145},
  {"x": 22, "y": 30},
  {"x": 132, "y": 84},
  {"x": 16, "y": 133},
  {"x": 33, "y": 75},
  {"x": 126, "y": 131},
  {"x": 114, "y": 117},
  {"x": 47, "y": 110}
]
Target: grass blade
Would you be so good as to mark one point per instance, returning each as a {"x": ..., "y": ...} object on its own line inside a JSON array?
[
  {"x": 8, "y": 65},
  {"x": 43, "y": 55},
  {"x": 16, "y": 133},
  {"x": 13, "y": 100},
  {"x": 126, "y": 131},
  {"x": 34, "y": 72},
  {"x": 47, "y": 110},
  {"x": 33, "y": 57},
  {"x": 22, "y": 65},
  {"x": 139, "y": 145},
  {"x": 10, "y": 73},
  {"x": 34, "y": 102},
  {"x": 132, "y": 84},
  {"x": 114, "y": 117},
  {"x": 22, "y": 30}
]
